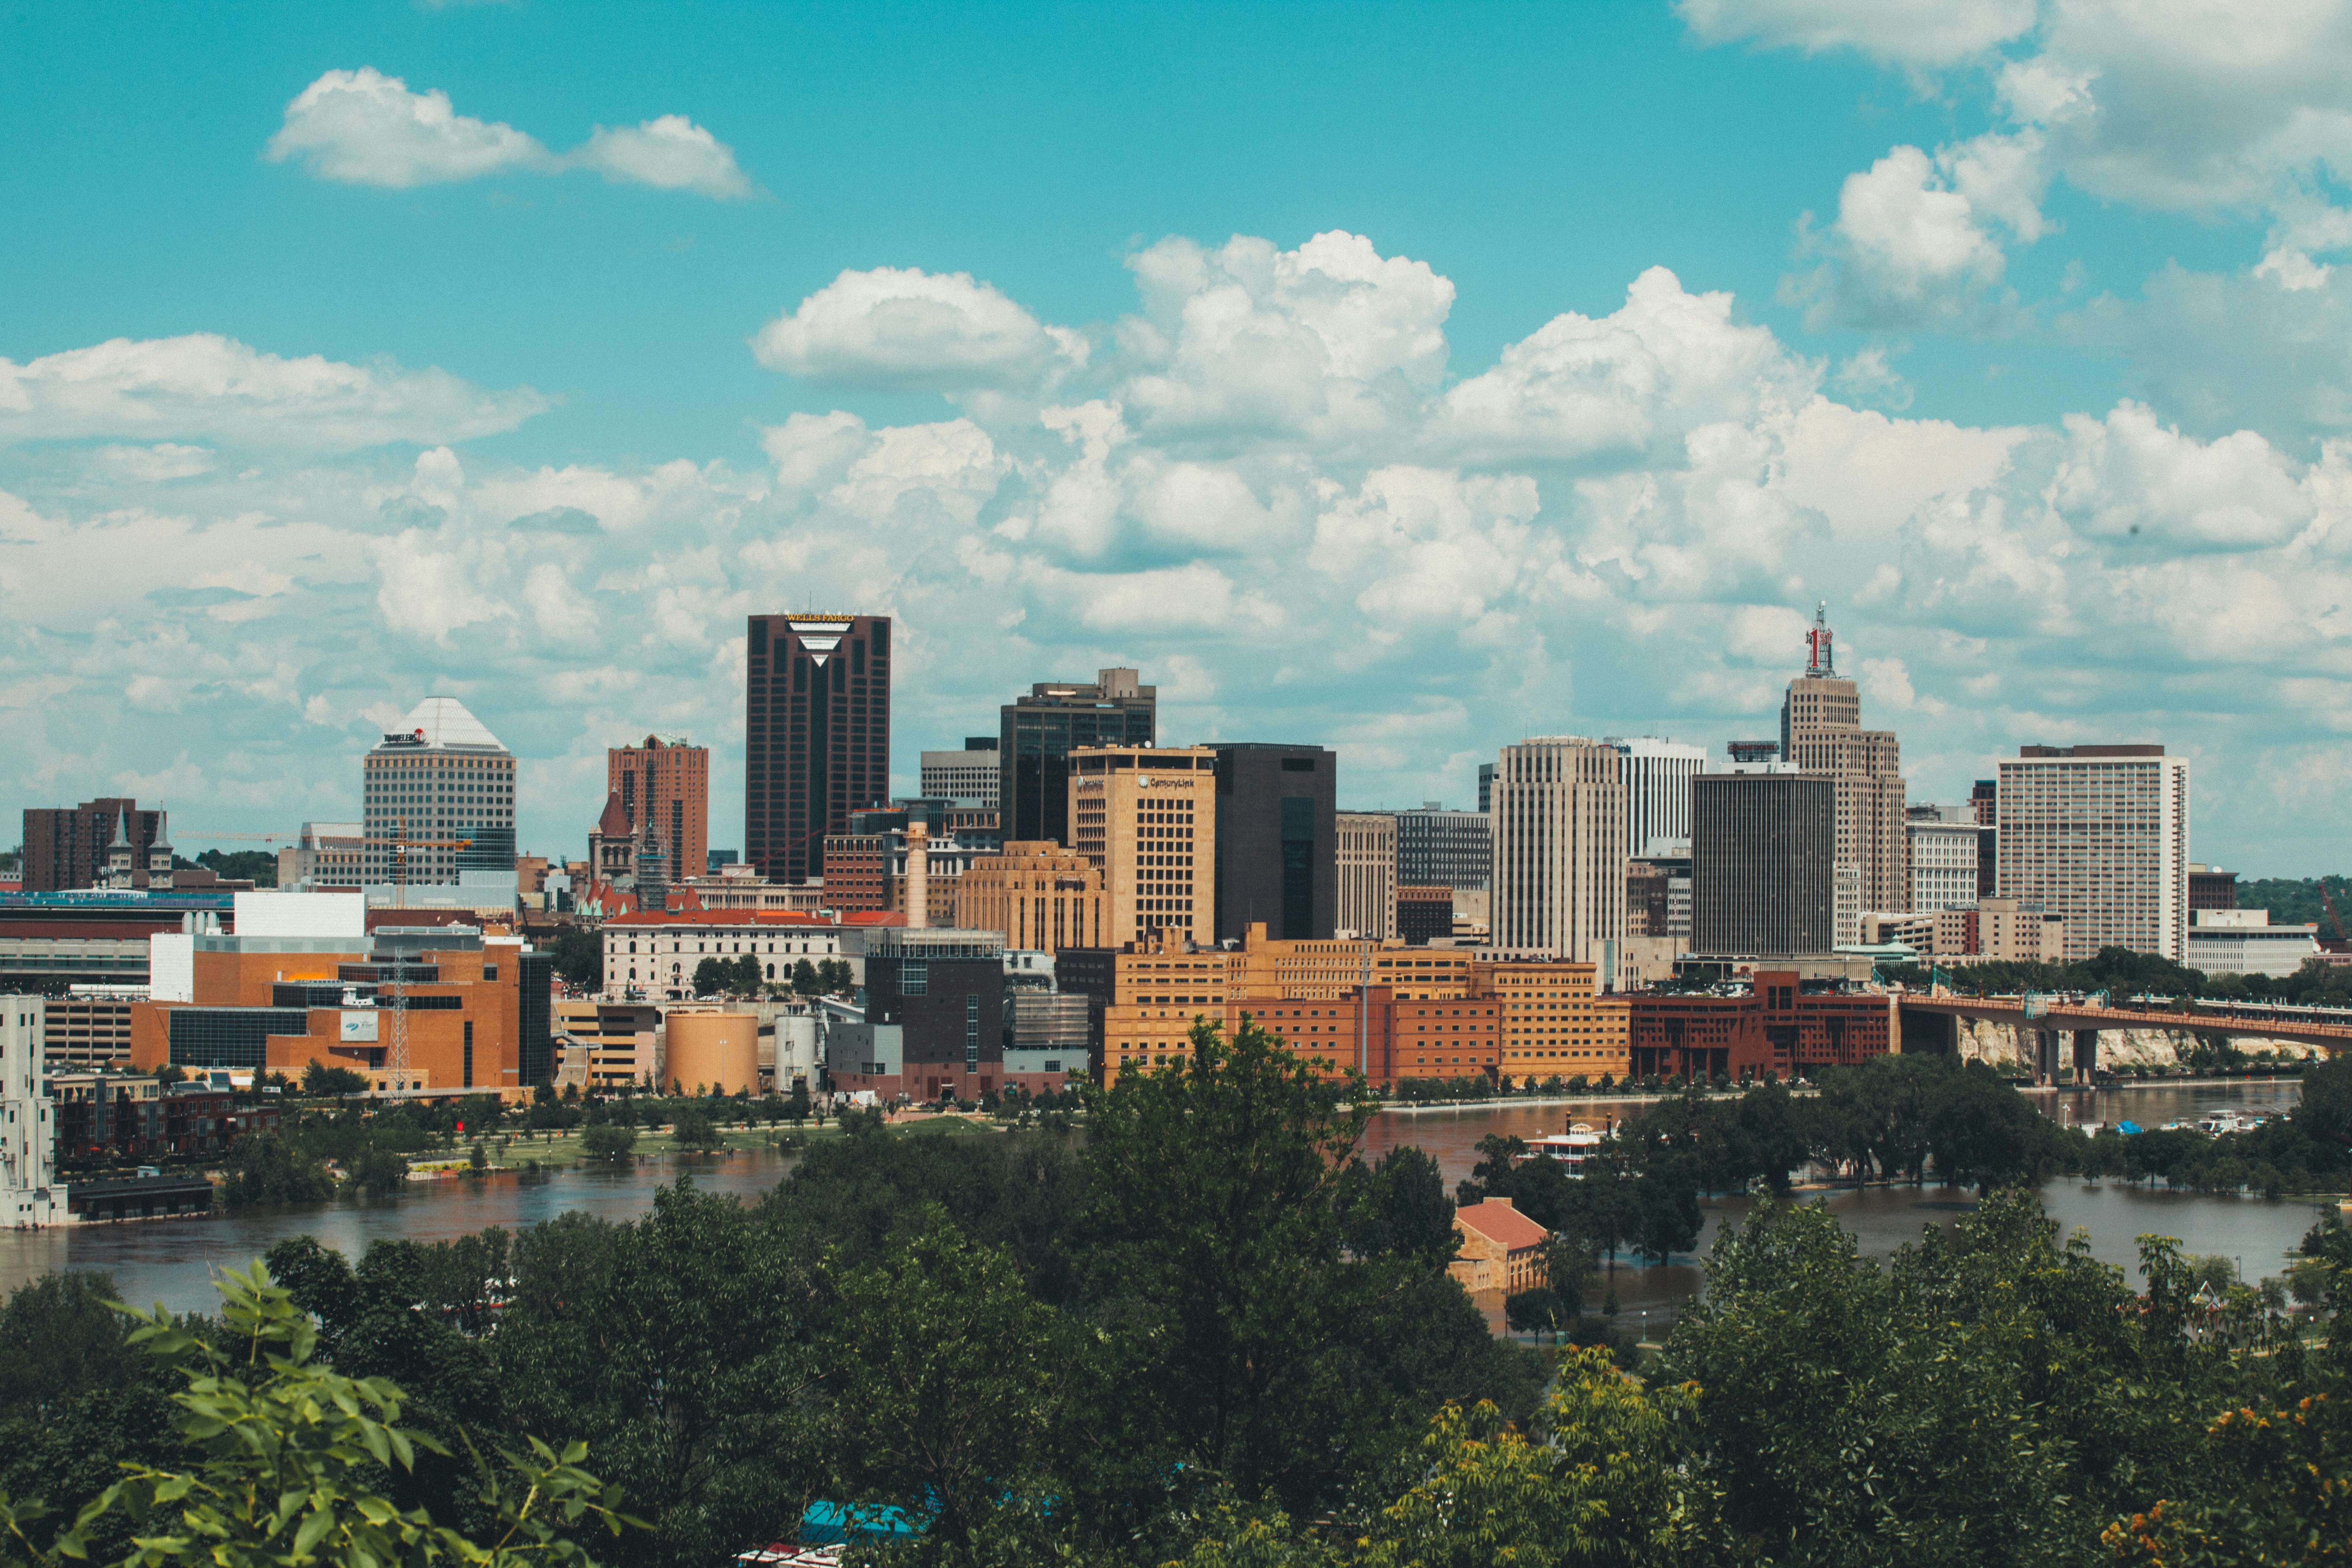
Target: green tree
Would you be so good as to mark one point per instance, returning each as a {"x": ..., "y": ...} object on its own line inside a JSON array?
[
  {"x": 749, "y": 978},
  {"x": 271, "y": 1168},
  {"x": 609, "y": 1142},
  {"x": 286, "y": 1450},
  {"x": 580, "y": 959},
  {"x": 945, "y": 1380},
  {"x": 694, "y": 1127},
  {"x": 714, "y": 975},
  {"x": 322, "y": 1080},
  {"x": 806, "y": 982}
]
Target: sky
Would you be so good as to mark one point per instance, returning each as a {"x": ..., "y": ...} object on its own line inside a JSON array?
[{"x": 1406, "y": 379}]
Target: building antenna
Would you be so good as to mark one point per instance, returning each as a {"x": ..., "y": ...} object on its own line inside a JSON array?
[{"x": 1822, "y": 662}]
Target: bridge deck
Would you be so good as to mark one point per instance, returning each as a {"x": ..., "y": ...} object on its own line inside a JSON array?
[{"x": 2081, "y": 1015}]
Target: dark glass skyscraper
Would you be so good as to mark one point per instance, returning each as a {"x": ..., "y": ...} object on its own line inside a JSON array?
[
  {"x": 1278, "y": 841},
  {"x": 816, "y": 735},
  {"x": 1038, "y": 732}
]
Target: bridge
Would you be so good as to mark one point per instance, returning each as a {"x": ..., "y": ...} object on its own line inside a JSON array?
[{"x": 2040, "y": 1020}]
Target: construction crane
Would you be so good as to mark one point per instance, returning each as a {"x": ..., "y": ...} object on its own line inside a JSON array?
[
  {"x": 2341, "y": 943},
  {"x": 261, "y": 837},
  {"x": 396, "y": 1054}
]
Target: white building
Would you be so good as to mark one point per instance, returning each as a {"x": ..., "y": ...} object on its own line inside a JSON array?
[
  {"x": 1657, "y": 792},
  {"x": 652, "y": 954},
  {"x": 29, "y": 1195},
  {"x": 1367, "y": 852},
  {"x": 969, "y": 777},
  {"x": 1943, "y": 864},
  {"x": 1558, "y": 887},
  {"x": 2243, "y": 941},
  {"x": 2098, "y": 835},
  {"x": 441, "y": 778}
]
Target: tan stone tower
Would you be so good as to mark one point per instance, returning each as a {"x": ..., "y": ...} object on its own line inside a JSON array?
[{"x": 1821, "y": 732}]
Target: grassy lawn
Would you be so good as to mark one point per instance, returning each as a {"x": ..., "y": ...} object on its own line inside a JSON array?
[{"x": 556, "y": 1151}]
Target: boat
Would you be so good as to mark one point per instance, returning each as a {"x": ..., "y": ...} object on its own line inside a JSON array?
[{"x": 1571, "y": 1148}]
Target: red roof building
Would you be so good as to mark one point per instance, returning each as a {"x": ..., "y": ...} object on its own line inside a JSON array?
[{"x": 1502, "y": 1249}]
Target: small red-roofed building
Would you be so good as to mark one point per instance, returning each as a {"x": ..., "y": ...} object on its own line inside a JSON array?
[{"x": 1502, "y": 1249}]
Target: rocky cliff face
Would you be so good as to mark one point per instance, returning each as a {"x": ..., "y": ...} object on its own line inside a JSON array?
[{"x": 1998, "y": 1043}]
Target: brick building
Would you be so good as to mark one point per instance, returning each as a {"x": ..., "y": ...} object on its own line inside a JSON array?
[
  {"x": 1777, "y": 1026},
  {"x": 65, "y": 847},
  {"x": 1502, "y": 1249}
]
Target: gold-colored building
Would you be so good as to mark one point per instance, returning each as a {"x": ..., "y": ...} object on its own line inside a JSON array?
[
  {"x": 1556, "y": 1022},
  {"x": 1040, "y": 896},
  {"x": 1147, "y": 817}
]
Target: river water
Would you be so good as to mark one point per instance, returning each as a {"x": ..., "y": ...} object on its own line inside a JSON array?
[{"x": 173, "y": 1260}]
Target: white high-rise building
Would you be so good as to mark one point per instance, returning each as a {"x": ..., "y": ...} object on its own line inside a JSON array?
[
  {"x": 1365, "y": 843},
  {"x": 440, "y": 778},
  {"x": 969, "y": 777},
  {"x": 2098, "y": 835},
  {"x": 1558, "y": 887},
  {"x": 1657, "y": 793},
  {"x": 29, "y": 1194},
  {"x": 1943, "y": 856}
]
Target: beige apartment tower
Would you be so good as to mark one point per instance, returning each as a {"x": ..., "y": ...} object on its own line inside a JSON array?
[
  {"x": 1146, "y": 816},
  {"x": 2098, "y": 836},
  {"x": 1040, "y": 896},
  {"x": 1821, "y": 732},
  {"x": 1557, "y": 815},
  {"x": 1366, "y": 847}
]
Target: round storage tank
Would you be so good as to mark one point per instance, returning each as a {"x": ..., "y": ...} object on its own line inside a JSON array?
[{"x": 720, "y": 1049}]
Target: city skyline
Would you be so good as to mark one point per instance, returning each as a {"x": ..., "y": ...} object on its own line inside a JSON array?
[{"x": 448, "y": 351}]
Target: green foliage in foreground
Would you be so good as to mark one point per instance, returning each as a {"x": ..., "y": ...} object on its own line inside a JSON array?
[{"x": 1210, "y": 1335}]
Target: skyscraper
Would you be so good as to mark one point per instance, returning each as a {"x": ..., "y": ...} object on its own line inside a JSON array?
[
  {"x": 1821, "y": 732},
  {"x": 1278, "y": 841},
  {"x": 1558, "y": 824},
  {"x": 969, "y": 777},
  {"x": 816, "y": 735},
  {"x": 1763, "y": 863},
  {"x": 664, "y": 789},
  {"x": 1368, "y": 873},
  {"x": 1148, "y": 816},
  {"x": 2099, "y": 836},
  {"x": 440, "y": 776},
  {"x": 1657, "y": 793},
  {"x": 65, "y": 847},
  {"x": 1442, "y": 848},
  {"x": 1037, "y": 733}
]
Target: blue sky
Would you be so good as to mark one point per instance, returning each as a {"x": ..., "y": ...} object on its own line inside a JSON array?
[{"x": 1409, "y": 379}]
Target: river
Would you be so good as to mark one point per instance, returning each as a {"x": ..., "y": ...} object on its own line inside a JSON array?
[{"x": 173, "y": 1260}]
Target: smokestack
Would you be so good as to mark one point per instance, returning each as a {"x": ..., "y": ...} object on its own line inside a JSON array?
[{"x": 919, "y": 876}]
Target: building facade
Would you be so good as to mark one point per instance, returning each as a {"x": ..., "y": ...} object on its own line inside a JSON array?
[
  {"x": 442, "y": 783},
  {"x": 1038, "y": 896},
  {"x": 663, "y": 787},
  {"x": 1763, "y": 863},
  {"x": 1036, "y": 735},
  {"x": 1778, "y": 1027},
  {"x": 1442, "y": 848},
  {"x": 326, "y": 856},
  {"x": 969, "y": 777},
  {"x": 1557, "y": 886},
  {"x": 1555, "y": 1022},
  {"x": 1366, "y": 848},
  {"x": 1944, "y": 863},
  {"x": 1278, "y": 851},
  {"x": 1148, "y": 817},
  {"x": 1820, "y": 732},
  {"x": 2211, "y": 888},
  {"x": 1423, "y": 915},
  {"x": 66, "y": 848},
  {"x": 1984, "y": 810},
  {"x": 2098, "y": 835},
  {"x": 2243, "y": 941},
  {"x": 29, "y": 1195},
  {"x": 1657, "y": 793},
  {"x": 816, "y": 735}
]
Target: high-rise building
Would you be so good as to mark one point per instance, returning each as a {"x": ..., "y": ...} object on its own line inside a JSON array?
[
  {"x": 1442, "y": 848},
  {"x": 1037, "y": 733},
  {"x": 2098, "y": 835},
  {"x": 326, "y": 856},
  {"x": 1485, "y": 787},
  {"x": 1985, "y": 809},
  {"x": 30, "y": 1195},
  {"x": 1657, "y": 793},
  {"x": 439, "y": 781},
  {"x": 1944, "y": 851},
  {"x": 1039, "y": 896},
  {"x": 2210, "y": 888},
  {"x": 1559, "y": 879},
  {"x": 1763, "y": 864},
  {"x": 816, "y": 735},
  {"x": 665, "y": 788},
  {"x": 1820, "y": 732},
  {"x": 970, "y": 777},
  {"x": 65, "y": 847},
  {"x": 1278, "y": 850},
  {"x": 1368, "y": 867},
  {"x": 1147, "y": 816}
]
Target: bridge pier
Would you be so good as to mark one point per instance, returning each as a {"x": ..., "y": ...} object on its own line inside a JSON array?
[{"x": 2087, "y": 1057}]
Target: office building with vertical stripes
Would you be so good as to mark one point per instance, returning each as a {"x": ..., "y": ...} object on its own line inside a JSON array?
[{"x": 816, "y": 735}]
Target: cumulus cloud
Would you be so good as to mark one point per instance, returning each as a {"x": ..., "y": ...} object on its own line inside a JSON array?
[
  {"x": 1907, "y": 32},
  {"x": 1623, "y": 526},
  {"x": 902, "y": 329},
  {"x": 364, "y": 128},
  {"x": 207, "y": 386}
]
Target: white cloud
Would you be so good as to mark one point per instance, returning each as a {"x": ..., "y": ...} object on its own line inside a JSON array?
[
  {"x": 670, "y": 153},
  {"x": 2129, "y": 478},
  {"x": 1909, "y": 32},
  {"x": 207, "y": 386},
  {"x": 364, "y": 128},
  {"x": 905, "y": 330}
]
